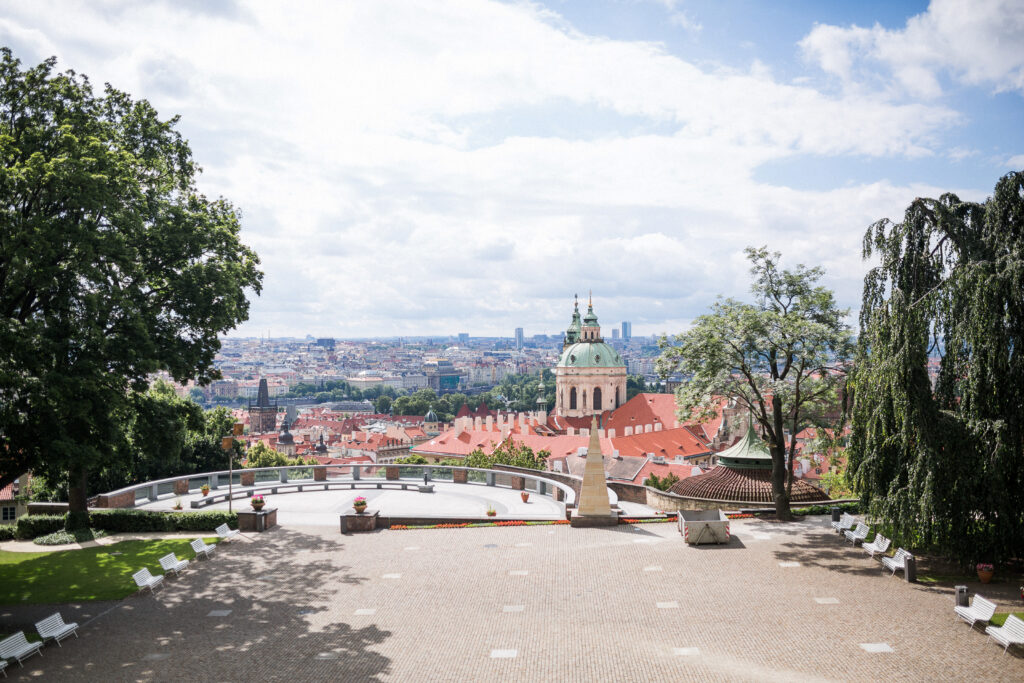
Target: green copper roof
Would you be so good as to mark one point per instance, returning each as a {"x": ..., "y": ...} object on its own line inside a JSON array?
[
  {"x": 590, "y": 355},
  {"x": 591, "y": 318},
  {"x": 747, "y": 453}
]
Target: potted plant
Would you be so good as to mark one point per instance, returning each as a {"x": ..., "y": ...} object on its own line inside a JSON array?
[
  {"x": 177, "y": 503},
  {"x": 257, "y": 502},
  {"x": 359, "y": 504},
  {"x": 525, "y": 495},
  {"x": 985, "y": 571},
  {"x": 491, "y": 511},
  {"x": 205, "y": 488}
]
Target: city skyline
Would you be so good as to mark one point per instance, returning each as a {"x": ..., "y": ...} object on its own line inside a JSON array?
[{"x": 420, "y": 168}]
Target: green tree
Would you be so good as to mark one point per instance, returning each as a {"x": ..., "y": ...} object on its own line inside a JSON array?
[
  {"x": 635, "y": 385},
  {"x": 382, "y": 404},
  {"x": 510, "y": 452},
  {"x": 943, "y": 466},
  {"x": 782, "y": 357},
  {"x": 662, "y": 483},
  {"x": 412, "y": 460},
  {"x": 112, "y": 267}
]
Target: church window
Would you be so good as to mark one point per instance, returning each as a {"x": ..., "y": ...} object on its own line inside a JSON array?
[
  {"x": 597, "y": 398},
  {"x": 572, "y": 399}
]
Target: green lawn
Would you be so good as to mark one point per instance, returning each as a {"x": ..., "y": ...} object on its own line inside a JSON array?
[
  {"x": 79, "y": 575},
  {"x": 1000, "y": 619}
]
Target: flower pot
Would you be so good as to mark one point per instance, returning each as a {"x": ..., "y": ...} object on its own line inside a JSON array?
[
  {"x": 360, "y": 509},
  {"x": 525, "y": 496},
  {"x": 258, "y": 506},
  {"x": 206, "y": 493},
  {"x": 985, "y": 576},
  {"x": 491, "y": 513}
]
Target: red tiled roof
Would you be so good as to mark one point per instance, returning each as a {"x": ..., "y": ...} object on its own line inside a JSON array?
[{"x": 745, "y": 485}]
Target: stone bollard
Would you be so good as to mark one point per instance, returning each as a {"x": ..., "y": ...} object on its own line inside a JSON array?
[
  {"x": 247, "y": 478},
  {"x": 910, "y": 570},
  {"x": 836, "y": 515},
  {"x": 460, "y": 476},
  {"x": 391, "y": 472},
  {"x": 181, "y": 487},
  {"x": 320, "y": 474},
  {"x": 518, "y": 483}
]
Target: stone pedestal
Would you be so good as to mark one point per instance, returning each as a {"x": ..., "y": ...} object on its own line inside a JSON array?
[
  {"x": 353, "y": 522},
  {"x": 578, "y": 520},
  {"x": 319, "y": 474},
  {"x": 247, "y": 478},
  {"x": 459, "y": 476},
  {"x": 252, "y": 520}
]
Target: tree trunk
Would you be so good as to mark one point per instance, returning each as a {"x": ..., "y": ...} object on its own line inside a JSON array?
[
  {"x": 779, "y": 493},
  {"x": 78, "y": 507}
]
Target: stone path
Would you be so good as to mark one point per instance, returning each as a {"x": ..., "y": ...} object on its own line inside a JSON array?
[{"x": 782, "y": 602}]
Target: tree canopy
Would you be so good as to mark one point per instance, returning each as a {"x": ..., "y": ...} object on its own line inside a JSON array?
[
  {"x": 782, "y": 358},
  {"x": 942, "y": 463},
  {"x": 112, "y": 266}
]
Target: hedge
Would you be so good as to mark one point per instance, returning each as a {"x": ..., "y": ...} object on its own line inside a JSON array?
[
  {"x": 6, "y": 532},
  {"x": 151, "y": 520},
  {"x": 826, "y": 509},
  {"x": 31, "y": 526}
]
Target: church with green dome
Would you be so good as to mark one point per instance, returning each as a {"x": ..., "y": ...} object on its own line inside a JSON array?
[{"x": 590, "y": 377}]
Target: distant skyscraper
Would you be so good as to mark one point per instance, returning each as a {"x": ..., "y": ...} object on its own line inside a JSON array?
[
  {"x": 627, "y": 330},
  {"x": 463, "y": 338},
  {"x": 519, "y": 338},
  {"x": 615, "y": 333}
]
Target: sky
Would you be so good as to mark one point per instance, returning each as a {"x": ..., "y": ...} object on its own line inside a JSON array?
[{"x": 429, "y": 168}]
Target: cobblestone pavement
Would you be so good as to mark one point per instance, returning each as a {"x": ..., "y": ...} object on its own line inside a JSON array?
[{"x": 540, "y": 603}]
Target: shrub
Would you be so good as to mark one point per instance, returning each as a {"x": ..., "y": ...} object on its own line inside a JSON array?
[
  {"x": 31, "y": 526},
  {"x": 151, "y": 520},
  {"x": 853, "y": 508},
  {"x": 6, "y": 532},
  {"x": 63, "y": 537}
]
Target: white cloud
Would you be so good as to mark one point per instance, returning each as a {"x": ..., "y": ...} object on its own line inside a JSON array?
[
  {"x": 1016, "y": 162},
  {"x": 398, "y": 174},
  {"x": 977, "y": 43}
]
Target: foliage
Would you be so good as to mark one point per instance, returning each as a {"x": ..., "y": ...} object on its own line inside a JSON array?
[
  {"x": 508, "y": 453},
  {"x": 663, "y": 483},
  {"x": 119, "y": 520},
  {"x": 635, "y": 385},
  {"x": 113, "y": 267},
  {"x": 943, "y": 465},
  {"x": 261, "y": 455},
  {"x": 412, "y": 460},
  {"x": 837, "y": 484},
  {"x": 87, "y": 574},
  {"x": 852, "y": 508},
  {"x": 63, "y": 537},
  {"x": 31, "y": 526},
  {"x": 7, "y": 532},
  {"x": 782, "y": 358}
]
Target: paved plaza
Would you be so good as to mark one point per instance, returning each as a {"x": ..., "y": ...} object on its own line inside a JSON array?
[{"x": 782, "y": 602}]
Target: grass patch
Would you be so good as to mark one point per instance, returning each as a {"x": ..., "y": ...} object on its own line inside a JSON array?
[
  {"x": 63, "y": 537},
  {"x": 82, "y": 575},
  {"x": 1000, "y": 619}
]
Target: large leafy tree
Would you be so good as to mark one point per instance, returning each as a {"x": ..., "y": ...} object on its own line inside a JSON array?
[
  {"x": 783, "y": 358},
  {"x": 943, "y": 464},
  {"x": 112, "y": 266}
]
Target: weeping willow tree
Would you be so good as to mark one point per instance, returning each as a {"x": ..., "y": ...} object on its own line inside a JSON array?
[{"x": 942, "y": 463}]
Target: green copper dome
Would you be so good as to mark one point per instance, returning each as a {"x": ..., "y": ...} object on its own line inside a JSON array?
[{"x": 590, "y": 355}]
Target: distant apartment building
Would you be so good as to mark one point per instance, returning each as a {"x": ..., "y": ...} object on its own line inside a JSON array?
[
  {"x": 519, "y": 339},
  {"x": 615, "y": 333},
  {"x": 627, "y": 330},
  {"x": 463, "y": 338}
]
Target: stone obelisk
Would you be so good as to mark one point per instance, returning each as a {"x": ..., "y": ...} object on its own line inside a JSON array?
[{"x": 593, "y": 508}]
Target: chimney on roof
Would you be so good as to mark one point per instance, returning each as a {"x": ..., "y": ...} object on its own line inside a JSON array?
[
  {"x": 648, "y": 429},
  {"x": 570, "y": 431},
  {"x": 581, "y": 451},
  {"x": 677, "y": 424},
  {"x": 458, "y": 426},
  {"x": 611, "y": 433},
  {"x": 584, "y": 431},
  {"x": 600, "y": 433},
  {"x": 628, "y": 431},
  {"x": 616, "y": 454},
  {"x": 477, "y": 423},
  {"x": 489, "y": 421}
]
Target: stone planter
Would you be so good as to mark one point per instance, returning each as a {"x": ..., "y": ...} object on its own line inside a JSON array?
[
  {"x": 360, "y": 509},
  {"x": 257, "y": 520},
  {"x": 985, "y": 576},
  {"x": 257, "y": 506},
  {"x": 525, "y": 496},
  {"x": 358, "y": 523}
]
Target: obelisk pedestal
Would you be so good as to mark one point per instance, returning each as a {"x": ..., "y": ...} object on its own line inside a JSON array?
[{"x": 593, "y": 508}]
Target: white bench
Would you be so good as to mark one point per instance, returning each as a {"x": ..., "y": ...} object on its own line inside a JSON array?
[
  {"x": 1010, "y": 633},
  {"x": 54, "y": 627},
  {"x": 897, "y": 561},
  {"x": 18, "y": 647},
  {"x": 171, "y": 563},
  {"x": 201, "y": 548},
  {"x": 858, "y": 534},
  {"x": 3, "y": 665},
  {"x": 879, "y": 545},
  {"x": 846, "y": 521},
  {"x": 981, "y": 610},
  {"x": 144, "y": 580},
  {"x": 226, "y": 533}
]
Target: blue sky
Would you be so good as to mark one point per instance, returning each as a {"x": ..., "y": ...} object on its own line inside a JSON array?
[{"x": 432, "y": 168}]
